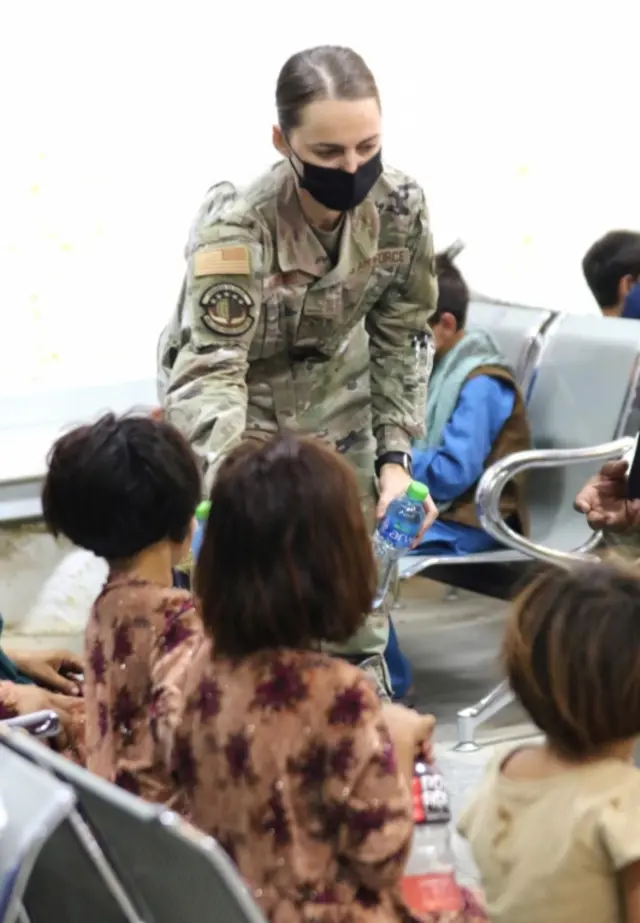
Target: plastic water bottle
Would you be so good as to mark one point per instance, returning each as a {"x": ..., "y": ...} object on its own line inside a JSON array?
[
  {"x": 396, "y": 533},
  {"x": 429, "y": 884},
  {"x": 202, "y": 514}
]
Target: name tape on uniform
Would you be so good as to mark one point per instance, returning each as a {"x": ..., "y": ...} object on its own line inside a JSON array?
[
  {"x": 392, "y": 256},
  {"x": 222, "y": 261}
]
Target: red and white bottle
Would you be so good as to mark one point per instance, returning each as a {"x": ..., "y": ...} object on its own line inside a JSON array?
[{"x": 429, "y": 884}]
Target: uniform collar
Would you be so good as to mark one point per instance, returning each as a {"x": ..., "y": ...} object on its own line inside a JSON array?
[{"x": 300, "y": 250}]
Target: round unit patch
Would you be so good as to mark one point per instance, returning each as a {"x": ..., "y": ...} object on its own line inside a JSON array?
[{"x": 227, "y": 309}]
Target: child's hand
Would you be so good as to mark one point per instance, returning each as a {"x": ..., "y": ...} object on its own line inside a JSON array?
[{"x": 411, "y": 734}]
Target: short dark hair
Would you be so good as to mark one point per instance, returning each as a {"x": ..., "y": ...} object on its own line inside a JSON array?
[
  {"x": 453, "y": 292},
  {"x": 324, "y": 72},
  {"x": 286, "y": 559},
  {"x": 571, "y": 651},
  {"x": 609, "y": 260},
  {"x": 121, "y": 484}
]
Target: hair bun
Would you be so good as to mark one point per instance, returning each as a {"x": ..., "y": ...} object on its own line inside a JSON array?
[{"x": 447, "y": 257}]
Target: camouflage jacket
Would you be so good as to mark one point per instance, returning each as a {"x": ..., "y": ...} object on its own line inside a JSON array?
[{"x": 268, "y": 333}]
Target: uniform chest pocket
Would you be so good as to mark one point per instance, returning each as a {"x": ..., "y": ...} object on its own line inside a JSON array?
[
  {"x": 380, "y": 281},
  {"x": 331, "y": 311},
  {"x": 278, "y": 320}
]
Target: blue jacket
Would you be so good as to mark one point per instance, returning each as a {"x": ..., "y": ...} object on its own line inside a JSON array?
[{"x": 484, "y": 406}]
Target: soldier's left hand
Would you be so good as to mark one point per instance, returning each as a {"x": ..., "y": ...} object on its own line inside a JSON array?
[{"x": 394, "y": 481}]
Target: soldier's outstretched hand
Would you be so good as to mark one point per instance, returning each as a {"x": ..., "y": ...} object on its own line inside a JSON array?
[{"x": 394, "y": 481}]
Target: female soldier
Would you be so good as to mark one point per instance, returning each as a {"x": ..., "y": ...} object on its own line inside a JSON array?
[{"x": 307, "y": 297}]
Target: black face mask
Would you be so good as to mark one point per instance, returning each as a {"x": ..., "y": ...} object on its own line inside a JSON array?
[{"x": 336, "y": 189}]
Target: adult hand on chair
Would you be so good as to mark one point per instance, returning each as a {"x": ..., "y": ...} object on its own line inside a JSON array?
[
  {"x": 603, "y": 500},
  {"x": 29, "y": 699},
  {"x": 50, "y": 669}
]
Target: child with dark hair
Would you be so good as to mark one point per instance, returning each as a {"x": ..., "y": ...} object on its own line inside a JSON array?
[
  {"x": 611, "y": 268},
  {"x": 126, "y": 489},
  {"x": 555, "y": 828},
  {"x": 285, "y": 754},
  {"x": 476, "y": 415}
]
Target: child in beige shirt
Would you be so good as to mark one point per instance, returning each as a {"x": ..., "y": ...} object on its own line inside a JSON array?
[{"x": 555, "y": 828}]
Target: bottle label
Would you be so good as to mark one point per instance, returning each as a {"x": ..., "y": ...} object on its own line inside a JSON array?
[
  {"x": 397, "y": 532},
  {"x": 435, "y": 892}
]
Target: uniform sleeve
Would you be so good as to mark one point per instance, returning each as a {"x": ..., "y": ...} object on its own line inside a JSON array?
[
  {"x": 619, "y": 825},
  {"x": 206, "y": 390},
  {"x": 169, "y": 346},
  {"x": 400, "y": 360}
]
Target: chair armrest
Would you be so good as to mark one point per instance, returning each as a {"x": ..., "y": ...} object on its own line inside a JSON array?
[
  {"x": 38, "y": 723},
  {"x": 495, "y": 478}
]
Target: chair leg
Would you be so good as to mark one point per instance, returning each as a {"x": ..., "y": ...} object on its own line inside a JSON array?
[{"x": 472, "y": 717}]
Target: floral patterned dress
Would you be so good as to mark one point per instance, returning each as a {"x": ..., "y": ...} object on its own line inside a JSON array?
[
  {"x": 134, "y": 623},
  {"x": 285, "y": 759}
]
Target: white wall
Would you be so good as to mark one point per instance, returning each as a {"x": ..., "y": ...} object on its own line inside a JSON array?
[
  {"x": 518, "y": 118},
  {"x": 46, "y": 590}
]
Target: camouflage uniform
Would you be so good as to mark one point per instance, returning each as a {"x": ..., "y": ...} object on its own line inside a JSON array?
[{"x": 268, "y": 333}]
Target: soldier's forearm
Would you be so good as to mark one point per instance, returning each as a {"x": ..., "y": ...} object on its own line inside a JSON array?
[
  {"x": 207, "y": 401},
  {"x": 398, "y": 395},
  {"x": 212, "y": 432},
  {"x": 392, "y": 439}
]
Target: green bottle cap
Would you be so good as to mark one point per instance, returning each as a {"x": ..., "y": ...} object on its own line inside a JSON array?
[
  {"x": 202, "y": 510},
  {"x": 417, "y": 491}
]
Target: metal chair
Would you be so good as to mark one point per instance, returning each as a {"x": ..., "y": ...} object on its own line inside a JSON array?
[
  {"x": 41, "y": 724},
  {"x": 145, "y": 865},
  {"x": 578, "y": 420},
  {"x": 35, "y": 804},
  {"x": 488, "y": 501},
  {"x": 520, "y": 333}
]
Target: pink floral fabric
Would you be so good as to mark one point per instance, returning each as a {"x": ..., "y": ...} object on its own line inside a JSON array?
[
  {"x": 133, "y": 624},
  {"x": 285, "y": 759}
]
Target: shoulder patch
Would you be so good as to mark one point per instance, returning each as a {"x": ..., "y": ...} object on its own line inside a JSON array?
[
  {"x": 222, "y": 261},
  {"x": 226, "y": 309}
]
